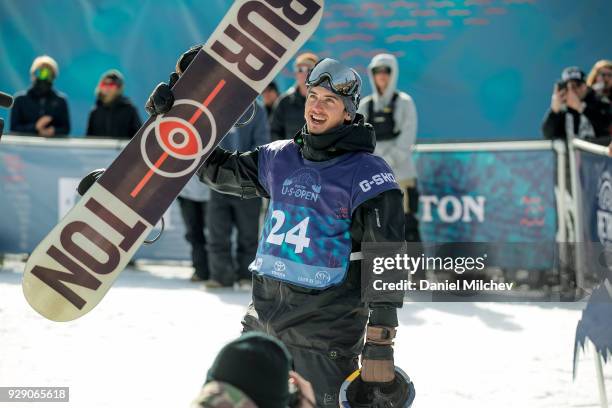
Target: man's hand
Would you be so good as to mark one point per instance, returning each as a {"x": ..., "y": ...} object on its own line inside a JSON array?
[
  {"x": 377, "y": 365},
  {"x": 573, "y": 100},
  {"x": 42, "y": 123},
  {"x": 161, "y": 99},
  {"x": 89, "y": 180},
  {"x": 558, "y": 99},
  {"x": 48, "y": 131},
  {"x": 307, "y": 397}
]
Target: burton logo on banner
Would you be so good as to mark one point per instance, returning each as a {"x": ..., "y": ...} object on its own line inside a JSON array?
[{"x": 452, "y": 209}]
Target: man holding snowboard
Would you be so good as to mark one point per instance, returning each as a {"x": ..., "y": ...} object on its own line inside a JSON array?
[{"x": 328, "y": 194}]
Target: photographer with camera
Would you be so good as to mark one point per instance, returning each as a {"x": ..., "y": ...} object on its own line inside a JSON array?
[
  {"x": 254, "y": 371},
  {"x": 576, "y": 111}
]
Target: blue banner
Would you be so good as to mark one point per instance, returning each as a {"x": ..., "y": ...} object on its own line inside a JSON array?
[
  {"x": 38, "y": 186},
  {"x": 595, "y": 196},
  {"x": 492, "y": 197}
]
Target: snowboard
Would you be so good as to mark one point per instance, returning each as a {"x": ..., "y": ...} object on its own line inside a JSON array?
[{"x": 74, "y": 266}]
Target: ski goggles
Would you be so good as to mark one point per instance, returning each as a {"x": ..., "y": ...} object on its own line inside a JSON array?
[
  {"x": 108, "y": 84},
  {"x": 381, "y": 70},
  {"x": 343, "y": 80},
  {"x": 44, "y": 74}
]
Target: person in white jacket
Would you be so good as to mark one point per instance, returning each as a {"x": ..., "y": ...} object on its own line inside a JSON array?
[{"x": 393, "y": 115}]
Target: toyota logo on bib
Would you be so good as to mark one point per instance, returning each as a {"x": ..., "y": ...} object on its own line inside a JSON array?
[{"x": 322, "y": 276}]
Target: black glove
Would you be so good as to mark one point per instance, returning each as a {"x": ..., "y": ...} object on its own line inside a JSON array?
[
  {"x": 88, "y": 181},
  {"x": 161, "y": 99},
  {"x": 377, "y": 364}
]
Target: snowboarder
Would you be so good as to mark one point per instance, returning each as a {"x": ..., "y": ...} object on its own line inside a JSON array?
[{"x": 328, "y": 194}]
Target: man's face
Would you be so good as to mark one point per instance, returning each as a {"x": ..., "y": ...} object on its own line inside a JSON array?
[
  {"x": 605, "y": 76},
  {"x": 301, "y": 72},
  {"x": 579, "y": 87},
  {"x": 44, "y": 73},
  {"x": 269, "y": 96},
  {"x": 382, "y": 76},
  {"x": 324, "y": 110},
  {"x": 108, "y": 90}
]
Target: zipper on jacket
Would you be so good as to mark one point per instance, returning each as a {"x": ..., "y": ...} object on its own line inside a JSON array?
[{"x": 377, "y": 218}]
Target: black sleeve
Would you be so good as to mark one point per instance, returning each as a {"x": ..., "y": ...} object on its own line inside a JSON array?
[
  {"x": 233, "y": 173},
  {"x": 598, "y": 113},
  {"x": 62, "y": 122},
  {"x": 381, "y": 219},
  {"x": 90, "y": 127},
  {"x": 136, "y": 123},
  {"x": 553, "y": 126},
  {"x": 277, "y": 124},
  {"x": 18, "y": 122}
]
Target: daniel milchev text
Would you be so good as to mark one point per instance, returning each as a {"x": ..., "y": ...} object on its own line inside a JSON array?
[{"x": 459, "y": 265}]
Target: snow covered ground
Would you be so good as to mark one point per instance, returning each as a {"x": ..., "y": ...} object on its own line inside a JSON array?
[{"x": 151, "y": 340}]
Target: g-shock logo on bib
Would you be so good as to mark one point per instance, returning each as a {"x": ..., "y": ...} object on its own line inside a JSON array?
[
  {"x": 377, "y": 179},
  {"x": 304, "y": 184}
]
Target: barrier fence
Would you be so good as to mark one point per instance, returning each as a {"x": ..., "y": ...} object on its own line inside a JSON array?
[
  {"x": 38, "y": 180},
  {"x": 495, "y": 192},
  {"x": 470, "y": 192}
]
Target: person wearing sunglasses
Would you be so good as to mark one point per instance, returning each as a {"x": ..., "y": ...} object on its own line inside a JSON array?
[
  {"x": 287, "y": 115},
  {"x": 113, "y": 115},
  {"x": 576, "y": 111},
  {"x": 41, "y": 110},
  {"x": 328, "y": 194},
  {"x": 600, "y": 79},
  {"x": 393, "y": 115}
]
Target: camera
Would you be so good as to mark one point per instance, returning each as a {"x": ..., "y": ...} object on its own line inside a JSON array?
[{"x": 561, "y": 85}]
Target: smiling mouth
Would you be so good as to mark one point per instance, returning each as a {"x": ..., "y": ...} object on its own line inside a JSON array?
[{"x": 316, "y": 119}]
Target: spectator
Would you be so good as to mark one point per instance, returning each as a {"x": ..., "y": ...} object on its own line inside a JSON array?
[
  {"x": 288, "y": 113},
  {"x": 600, "y": 79},
  {"x": 226, "y": 212},
  {"x": 113, "y": 115},
  {"x": 254, "y": 371},
  {"x": 576, "y": 111},
  {"x": 193, "y": 202},
  {"x": 393, "y": 115},
  {"x": 270, "y": 95},
  {"x": 41, "y": 110}
]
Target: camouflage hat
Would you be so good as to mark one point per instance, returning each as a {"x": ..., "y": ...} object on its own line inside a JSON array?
[{"x": 218, "y": 394}]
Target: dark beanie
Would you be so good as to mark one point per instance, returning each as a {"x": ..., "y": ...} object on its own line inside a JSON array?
[{"x": 258, "y": 365}]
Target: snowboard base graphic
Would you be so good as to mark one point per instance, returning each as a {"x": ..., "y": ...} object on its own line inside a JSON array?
[{"x": 77, "y": 262}]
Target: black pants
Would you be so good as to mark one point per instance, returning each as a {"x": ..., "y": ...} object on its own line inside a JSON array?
[
  {"x": 194, "y": 216},
  {"x": 224, "y": 213},
  {"x": 325, "y": 372}
]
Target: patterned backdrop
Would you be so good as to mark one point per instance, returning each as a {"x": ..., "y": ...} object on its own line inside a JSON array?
[{"x": 477, "y": 69}]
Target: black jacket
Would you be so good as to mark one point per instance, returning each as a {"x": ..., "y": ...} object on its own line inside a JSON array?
[
  {"x": 287, "y": 115},
  {"x": 30, "y": 105},
  {"x": 596, "y": 111},
  {"x": 327, "y": 320},
  {"x": 119, "y": 119}
]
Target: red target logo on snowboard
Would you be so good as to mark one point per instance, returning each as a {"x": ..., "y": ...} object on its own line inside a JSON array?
[{"x": 179, "y": 140}]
